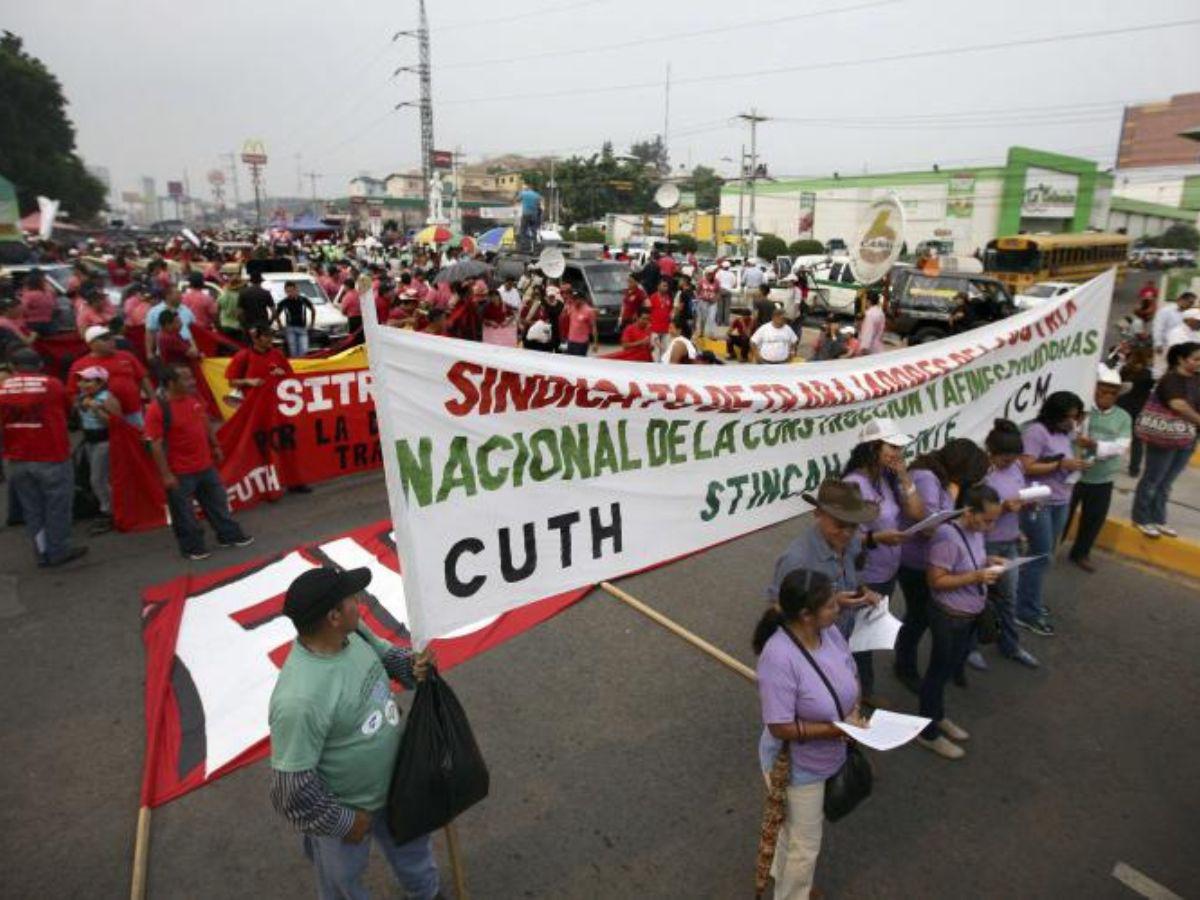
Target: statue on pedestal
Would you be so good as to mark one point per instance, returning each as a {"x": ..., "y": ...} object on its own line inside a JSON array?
[{"x": 436, "y": 213}]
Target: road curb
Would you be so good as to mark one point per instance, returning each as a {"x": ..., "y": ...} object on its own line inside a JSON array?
[{"x": 1180, "y": 555}]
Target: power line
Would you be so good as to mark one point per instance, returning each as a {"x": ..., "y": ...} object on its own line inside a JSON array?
[
  {"x": 674, "y": 37},
  {"x": 541, "y": 11},
  {"x": 836, "y": 64}
]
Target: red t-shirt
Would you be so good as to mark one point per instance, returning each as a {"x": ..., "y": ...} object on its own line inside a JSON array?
[
  {"x": 33, "y": 416},
  {"x": 188, "y": 451},
  {"x": 351, "y": 304},
  {"x": 660, "y": 312},
  {"x": 39, "y": 306},
  {"x": 202, "y": 305},
  {"x": 172, "y": 349},
  {"x": 125, "y": 374},
  {"x": 632, "y": 302},
  {"x": 667, "y": 267},
  {"x": 637, "y": 354},
  {"x": 249, "y": 363},
  {"x": 579, "y": 323},
  {"x": 383, "y": 306},
  {"x": 120, "y": 276}
]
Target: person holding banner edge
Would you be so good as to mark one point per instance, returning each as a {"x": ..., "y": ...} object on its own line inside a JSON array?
[
  {"x": 335, "y": 731},
  {"x": 877, "y": 466}
]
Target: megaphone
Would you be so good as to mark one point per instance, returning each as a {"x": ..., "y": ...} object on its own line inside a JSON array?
[
  {"x": 552, "y": 262},
  {"x": 667, "y": 195}
]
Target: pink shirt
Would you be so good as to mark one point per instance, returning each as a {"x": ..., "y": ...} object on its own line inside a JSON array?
[
  {"x": 351, "y": 304},
  {"x": 579, "y": 323},
  {"x": 89, "y": 316},
  {"x": 871, "y": 336},
  {"x": 202, "y": 305},
  {"x": 136, "y": 307},
  {"x": 39, "y": 306}
]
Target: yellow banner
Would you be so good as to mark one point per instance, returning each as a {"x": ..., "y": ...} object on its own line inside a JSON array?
[{"x": 214, "y": 372}]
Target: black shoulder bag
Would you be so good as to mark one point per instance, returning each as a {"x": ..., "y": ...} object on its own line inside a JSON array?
[
  {"x": 851, "y": 784},
  {"x": 987, "y": 623}
]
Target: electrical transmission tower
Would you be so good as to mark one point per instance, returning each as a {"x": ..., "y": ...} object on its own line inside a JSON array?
[{"x": 422, "y": 69}]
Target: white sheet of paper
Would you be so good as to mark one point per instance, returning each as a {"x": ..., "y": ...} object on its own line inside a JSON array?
[
  {"x": 1014, "y": 563},
  {"x": 888, "y": 730},
  {"x": 931, "y": 522},
  {"x": 1034, "y": 492},
  {"x": 875, "y": 628}
]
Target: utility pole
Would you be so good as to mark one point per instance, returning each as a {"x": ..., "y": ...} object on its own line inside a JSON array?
[
  {"x": 753, "y": 118},
  {"x": 741, "y": 228},
  {"x": 231, "y": 158},
  {"x": 423, "y": 71},
  {"x": 299, "y": 177},
  {"x": 667, "y": 121},
  {"x": 312, "y": 180}
]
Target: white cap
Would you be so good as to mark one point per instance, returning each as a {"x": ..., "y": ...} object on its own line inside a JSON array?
[
  {"x": 885, "y": 430},
  {"x": 1106, "y": 375},
  {"x": 94, "y": 332}
]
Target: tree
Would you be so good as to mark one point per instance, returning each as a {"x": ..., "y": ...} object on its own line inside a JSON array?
[
  {"x": 771, "y": 246},
  {"x": 806, "y": 247},
  {"x": 652, "y": 152},
  {"x": 586, "y": 234},
  {"x": 705, "y": 183},
  {"x": 1179, "y": 236},
  {"x": 686, "y": 243},
  {"x": 37, "y": 139},
  {"x": 589, "y": 187}
]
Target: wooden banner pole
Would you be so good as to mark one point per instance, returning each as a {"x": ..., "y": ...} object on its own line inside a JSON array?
[
  {"x": 695, "y": 640},
  {"x": 456, "y": 864},
  {"x": 141, "y": 855}
]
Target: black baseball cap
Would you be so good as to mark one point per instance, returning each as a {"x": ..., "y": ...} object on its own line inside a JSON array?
[{"x": 317, "y": 591}]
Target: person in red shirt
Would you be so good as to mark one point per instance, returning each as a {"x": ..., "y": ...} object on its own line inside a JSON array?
[
  {"x": 119, "y": 272},
  {"x": 95, "y": 309},
  {"x": 13, "y": 332},
  {"x": 202, "y": 304},
  {"x": 136, "y": 306},
  {"x": 637, "y": 338},
  {"x": 632, "y": 301},
  {"x": 581, "y": 324},
  {"x": 737, "y": 336},
  {"x": 173, "y": 349},
  {"x": 257, "y": 364},
  {"x": 127, "y": 377},
  {"x": 1147, "y": 302},
  {"x": 183, "y": 442},
  {"x": 667, "y": 267},
  {"x": 33, "y": 425},
  {"x": 661, "y": 303},
  {"x": 38, "y": 302}
]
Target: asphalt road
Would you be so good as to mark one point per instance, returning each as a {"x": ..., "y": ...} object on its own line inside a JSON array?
[{"x": 623, "y": 760}]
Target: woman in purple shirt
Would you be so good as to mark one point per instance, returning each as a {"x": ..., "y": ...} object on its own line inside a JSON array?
[
  {"x": 1048, "y": 458},
  {"x": 1007, "y": 477},
  {"x": 959, "y": 574},
  {"x": 877, "y": 466},
  {"x": 798, "y": 708},
  {"x": 939, "y": 478}
]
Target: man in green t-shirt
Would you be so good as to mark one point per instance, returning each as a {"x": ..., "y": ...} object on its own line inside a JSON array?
[
  {"x": 1106, "y": 439},
  {"x": 335, "y": 731}
]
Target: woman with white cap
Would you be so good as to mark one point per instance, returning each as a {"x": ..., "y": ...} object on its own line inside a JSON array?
[
  {"x": 1106, "y": 437},
  {"x": 877, "y": 466}
]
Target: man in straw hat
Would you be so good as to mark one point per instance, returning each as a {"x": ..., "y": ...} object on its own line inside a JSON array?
[
  {"x": 1105, "y": 440},
  {"x": 830, "y": 543}
]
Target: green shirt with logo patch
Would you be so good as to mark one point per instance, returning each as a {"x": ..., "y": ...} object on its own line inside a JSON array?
[{"x": 337, "y": 715}]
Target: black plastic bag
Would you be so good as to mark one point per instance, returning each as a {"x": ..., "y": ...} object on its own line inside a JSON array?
[{"x": 439, "y": 769}]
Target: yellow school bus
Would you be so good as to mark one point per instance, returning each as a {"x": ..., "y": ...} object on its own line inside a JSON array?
[{"x": 1023, "y": 260}]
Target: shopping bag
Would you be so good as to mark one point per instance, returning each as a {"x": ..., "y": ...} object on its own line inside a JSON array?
[{"x": 439, "y": 770}]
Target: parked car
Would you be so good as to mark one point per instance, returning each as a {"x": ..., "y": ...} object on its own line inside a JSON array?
[
  {"x": 921, "y": 305},
  {"x": 1041, "y": 292},
  {"x": 835, "y": 290},
  {"x": 601, "y": 281}
]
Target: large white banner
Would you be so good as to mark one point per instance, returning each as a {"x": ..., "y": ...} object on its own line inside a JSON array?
[{"x": 515, "y": 475}]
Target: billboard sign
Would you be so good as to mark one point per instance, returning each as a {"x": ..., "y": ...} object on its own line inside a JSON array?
[{"x": 1049, "y": 194}]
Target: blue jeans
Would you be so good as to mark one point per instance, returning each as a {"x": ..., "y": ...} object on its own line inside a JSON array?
[
  {"x": 206, "y": 488},
  {"x": 1003, "y": 594},
  {"x": 296, "y": 338},
  {"x": 952, "y": 639},
  {"x": 917, "y": 601},
  {"x": 1162, "y": 467},
  {"x": 340, "y": 866},
  {"x": 1043, "y": 527},
  {"x": 46, "y": 493}
]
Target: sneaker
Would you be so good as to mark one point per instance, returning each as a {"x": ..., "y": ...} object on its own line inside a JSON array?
[
  {"x": 952, "y": 731},
  {"x": 244, "y": 541},
  {"x": 1150, "y": 531},
  {"x": 1041, "y": 626},
  {"x": 1025, "y": 658},
  {"x": 943, "y": 747},
  {"x": 976, "y": 661},
  {"x": 198, "y": 555},
  {"x": 1164, "y": 528},
  {"x": 102, "y": 524},
  {"x": 70, "y": 556}
]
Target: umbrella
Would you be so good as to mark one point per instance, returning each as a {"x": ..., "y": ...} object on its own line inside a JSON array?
[
  {"x": 462, "y": 241},
  {"x": 461, "y": 271},
  {"x": 495, "y": 238},
  {"x": 434, "y": 234}
]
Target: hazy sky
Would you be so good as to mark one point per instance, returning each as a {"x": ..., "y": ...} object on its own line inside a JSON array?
[{"x": 157, "y": 87}]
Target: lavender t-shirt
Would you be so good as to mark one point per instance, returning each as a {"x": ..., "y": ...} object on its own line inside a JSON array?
[
  {"x": 882, "y": 561},
  {"x": 1008, "y": 482},
  {"x": 789, "y": 689},
  {"x": 913, "y": 551},
  {"x": 948, "y": 550},
  {"x": 1040, "y": 441}
]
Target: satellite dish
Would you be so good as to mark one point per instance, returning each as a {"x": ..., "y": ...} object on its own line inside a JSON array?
[
  {"x": 552, "y": 262},
  {"x": 667, "y": 195},
  {"x": 191, "y": 237},
  {"x": 878, "y": 241}
]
